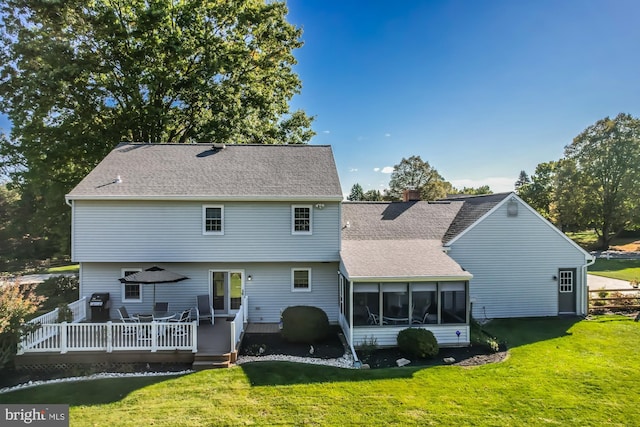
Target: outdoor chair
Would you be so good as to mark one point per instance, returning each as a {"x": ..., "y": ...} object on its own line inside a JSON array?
[
  {"x": 124, "y": 315},
  {"x": 178, "y": 328},
  {"x": 421, "y": 319},
  {"x": 185, "y": 316},
  {"x": 204, "y": 309},
  {"x": 373, "y": 319},
  {"x": 161, "y": 306},
  {"x": 145, "y": 318}
]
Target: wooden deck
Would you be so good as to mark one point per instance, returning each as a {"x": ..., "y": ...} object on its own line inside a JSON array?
[{"x": 214, "y": 350}]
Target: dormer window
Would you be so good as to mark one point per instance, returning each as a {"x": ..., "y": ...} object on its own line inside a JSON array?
[
  {"x": 212, "y": 219},
  {"x": 301, "y": 219}
]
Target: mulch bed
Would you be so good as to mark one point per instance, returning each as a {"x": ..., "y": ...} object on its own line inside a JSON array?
[
  {"x": 268, "y": 344},
  {"x": 464, "y": 356},
  {"x": 271, "y": 344}
]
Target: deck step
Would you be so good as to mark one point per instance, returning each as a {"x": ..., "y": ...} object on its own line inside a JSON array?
[
  {"x": 203, "y": 361},
  {"x": 201, "y": 365}
]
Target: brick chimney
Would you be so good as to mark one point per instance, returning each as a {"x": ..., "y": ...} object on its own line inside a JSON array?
[{"x": 411, "y": 195}]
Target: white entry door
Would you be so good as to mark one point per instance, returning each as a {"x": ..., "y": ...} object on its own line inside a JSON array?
[{"x": 226, "y": 290}]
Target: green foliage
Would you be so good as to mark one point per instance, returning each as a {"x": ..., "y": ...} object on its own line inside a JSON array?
[
  {"x": 474, "y": 191},
  {"x": 356, "y": 194},
  {"x": 17, "y": 303},
  {"x": 367, "y": 347},
  {"x": 418, "y": 342},
  {"x": 64, "y": 313},
  {"x": 523, "y": 179},
  {"x": 77, "y": 78},
  {"x": 305, "y": 324},
  {"x": 539, "y": 191},
  {"x": 58, "y": 290},
  {"x": 414, "y": 173},
  {"x": 372, "y": 196}
]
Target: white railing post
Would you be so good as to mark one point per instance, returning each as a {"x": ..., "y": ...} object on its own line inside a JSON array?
[
  {"x": 194, "y": 336},
  {"x": 109, "y": 336},
  {"x": 63, "y": 337},
  {"x": 246, "y": 308},
  {"x": 233, "y": 336},
  {"x": 154, "y": 336}
]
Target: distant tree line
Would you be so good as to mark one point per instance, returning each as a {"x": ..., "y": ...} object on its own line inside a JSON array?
[
  {"x": 595, "y": 185},
  {"x": 414, "y": 173}
]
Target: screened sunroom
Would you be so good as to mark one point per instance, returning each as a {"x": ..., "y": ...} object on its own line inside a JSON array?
[{"x": 390, "y": 285}]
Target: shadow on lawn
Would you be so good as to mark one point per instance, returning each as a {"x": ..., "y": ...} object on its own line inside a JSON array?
[
  {"x": 90, "y": 392},
  {"x": 289, "y": 373},
  {"x": 523, "y": 331}
]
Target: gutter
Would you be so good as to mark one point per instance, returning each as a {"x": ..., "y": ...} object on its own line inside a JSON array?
[{"x": 585, "y": 307}]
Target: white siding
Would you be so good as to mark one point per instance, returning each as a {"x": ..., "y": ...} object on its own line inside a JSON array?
[
  {"x": 269, "y": 290},
  {"x": 156, "y": 231},
  {"x": 513, "y": 260},
  {"x": 387, "y": 336}
]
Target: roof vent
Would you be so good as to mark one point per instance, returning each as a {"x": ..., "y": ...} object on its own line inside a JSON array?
[
  {"x": 219, "y": 146},
  {"x": 118, "y": 180}
]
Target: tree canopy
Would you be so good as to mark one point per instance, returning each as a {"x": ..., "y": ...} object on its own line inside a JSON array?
[
  {"x": 597, "y": 182},
  {"x": 414, "y": 173},
  {"x": 356, "y": 194},
  {"x": 77, "y": 78}
]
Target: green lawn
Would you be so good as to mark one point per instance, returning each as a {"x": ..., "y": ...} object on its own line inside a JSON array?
[
  {"x": 559, "y": 372},
  {"x": 623, "y": 269},
  {"x": 73, "y": 268}
]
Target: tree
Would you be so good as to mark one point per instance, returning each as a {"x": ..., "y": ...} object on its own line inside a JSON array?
[
  {"x": 539, "y": 192},
  {"x": 17, "y": 302},
  {"x": 414, "y": 173},
  {"x": 372, "y": 196},
  {"x": 356, "y": 193},
  {"x": 605, "y": 158},
  {"x": 523, "y": 179},
  {"x": 479, "y": 191},
  {"x": 77, "y": 78}
]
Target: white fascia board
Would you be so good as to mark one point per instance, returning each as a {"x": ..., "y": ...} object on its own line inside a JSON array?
[
  {"x": 197, "y": 198},
  {"x": 410, "y": 278}
]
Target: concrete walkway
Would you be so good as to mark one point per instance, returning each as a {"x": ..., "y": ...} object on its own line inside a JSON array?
[{"x": 597, "y": 282}]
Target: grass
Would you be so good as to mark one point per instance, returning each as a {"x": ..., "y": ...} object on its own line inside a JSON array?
[
  {"x": 560, "y": 372},
  {"x": 623, "y": 269},
  {"x": 588, "y": 239},
  {"x": 73, "y": 268}
]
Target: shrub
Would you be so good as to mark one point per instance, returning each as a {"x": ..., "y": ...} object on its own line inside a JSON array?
[
  {"x": 58, "y": 290},
  {"x": 305, "y": 324},
  {"x": 367, "y": 347},
  {"x": 418, "y": 342},
  {"x": 64, "y": 313}
]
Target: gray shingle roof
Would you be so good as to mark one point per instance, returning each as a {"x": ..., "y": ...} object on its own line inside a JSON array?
[
  {"x": 399, "y": 259},
  {"x": 472, "y": 209},
  {"x": 241, "y": 172},
  {"x": 397, "y": 220}
]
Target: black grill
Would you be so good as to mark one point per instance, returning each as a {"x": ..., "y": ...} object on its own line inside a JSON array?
[{"x": 100, "y": 305}]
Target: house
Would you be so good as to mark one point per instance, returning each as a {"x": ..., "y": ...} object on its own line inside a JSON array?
[
  {"x": 259, "y": 228},
  {"x": 436, "y": 264},
  {"x": 261, "y": 221}
]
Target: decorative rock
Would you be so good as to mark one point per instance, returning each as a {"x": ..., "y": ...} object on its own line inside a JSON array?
[
  {"x": 402, "y": 362},
  {"x": 449, "y": 360},
  {"x": 365, "y": 366}
]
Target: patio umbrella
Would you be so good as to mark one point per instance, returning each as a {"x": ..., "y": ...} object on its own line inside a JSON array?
[{"x": 153, "y": 275}]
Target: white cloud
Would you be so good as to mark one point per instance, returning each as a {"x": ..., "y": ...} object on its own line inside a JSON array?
[
  {"x": 376, "y": 169},
  {"x": 387, "y": 135},
  {"x": 353, "y": 170},
  {"x": 496, "y": 183},
  {"x": 387, "y": 169},
  {"x": 326, "y": 131}
]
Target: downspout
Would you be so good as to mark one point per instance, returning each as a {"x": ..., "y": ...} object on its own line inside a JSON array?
[
  {"x": 356, "y": 362},
  {"x": 585, "y": 308}
]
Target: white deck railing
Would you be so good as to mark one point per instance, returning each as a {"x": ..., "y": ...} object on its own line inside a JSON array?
[
  {"x": 237, "y": 326},
  {"x": 110, "y": 336}
]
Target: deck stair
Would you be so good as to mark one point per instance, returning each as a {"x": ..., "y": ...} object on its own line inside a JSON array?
[{"x": 204, "y": 361}]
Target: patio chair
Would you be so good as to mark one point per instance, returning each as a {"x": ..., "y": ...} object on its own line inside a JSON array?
[
  {"x": 124, "y": 316},
  {"x": 178, "y": 328},
  {"x": 161, "y": 306},
  {"x": 421, "y": 319},
  {"x": 204, "y": 309},
  {"x": 145, "y": 318},
  {"x": 373, "y": 319},
  {"x": 185, "y": 316}
]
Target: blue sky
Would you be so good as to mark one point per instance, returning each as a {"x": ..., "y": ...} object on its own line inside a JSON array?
[{"x": 479, "y": 89}]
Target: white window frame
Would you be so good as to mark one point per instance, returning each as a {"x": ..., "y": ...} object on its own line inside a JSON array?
[
  {"x": 566, "y": 287},
  {"x": 293, "y": 219},
  {"x": 123, "y": 273},
  {"x": 206, "y": 232},
  {"x": 293, "y": 272}
]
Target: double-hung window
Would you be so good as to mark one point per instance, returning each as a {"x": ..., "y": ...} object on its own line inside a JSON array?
[
  {"x": 301, "y": 219},
  {"x": 301, "y": 280},
  {"x": 131, "y": 292},
  {"x": 213, "y": 219}
]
